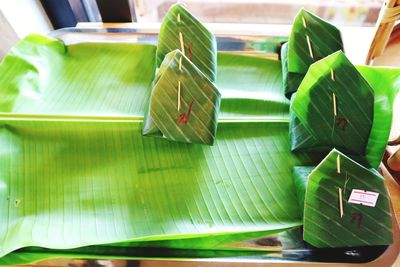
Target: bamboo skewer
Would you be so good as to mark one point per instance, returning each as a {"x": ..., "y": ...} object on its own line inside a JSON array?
[
  {"x": 309, "y": 46},
  {"x": 340, "y": 202},
  {"x": 304, "y": 22},
  {"x": 180, "y": 62},
  {"x": 182, "y": 44},
  {"x": 334, "y": 104},
  {"x": 179, "y": 95},
  {"x": 338, "y": 164}
]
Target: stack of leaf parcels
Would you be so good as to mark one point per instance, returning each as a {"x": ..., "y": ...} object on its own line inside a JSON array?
[
  {"x": 184, "y": 103},
  {"x": 334, "y": 107}
]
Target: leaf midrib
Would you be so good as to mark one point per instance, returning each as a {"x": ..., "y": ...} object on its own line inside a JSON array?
[{"x": 123, "y": 118}]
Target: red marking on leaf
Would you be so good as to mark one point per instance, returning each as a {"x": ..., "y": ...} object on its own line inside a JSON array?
[
  {"x": 184, "y": 117},
  {"x": 342, "y": 122},
  {"x": 356, "y": 216},
  {"x": 190, "y": 53}
]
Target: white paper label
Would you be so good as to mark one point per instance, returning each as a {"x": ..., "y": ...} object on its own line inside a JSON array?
[{"x": 366, "y": 198}]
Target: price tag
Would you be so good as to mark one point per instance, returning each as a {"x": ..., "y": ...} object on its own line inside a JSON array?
[{"x": 361, "y": 197}]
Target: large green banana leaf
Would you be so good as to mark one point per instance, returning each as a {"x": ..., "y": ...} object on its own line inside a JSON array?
[
  {"x": 67, "y": 177},
  {"x": 43, "y": 76},
  {"x": 70, "y": 184}
]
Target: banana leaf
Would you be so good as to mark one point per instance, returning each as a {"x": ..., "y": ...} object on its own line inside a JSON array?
[
  {"x": 41, "y": 75},
  {"x": 290, "y": 80},
  {"x": 35, "y": 255},
  {"x": 251, "y": 88},
  {"x": 337, "y": 111},
  {"x": 90, "y": 144},
  {"x": 300, "y": 177},
  {"x": 123, "y": 187},
  {"x": 311, "y": 39},
  {"x": 184, "y": 104},
  {"x": 386, "y": 85},
  {"x": 76, "y": 171},
  {"x": 309, "y": 126},
  {"x": 332, "y": 218},
  {"x": 181, "y": 30}
]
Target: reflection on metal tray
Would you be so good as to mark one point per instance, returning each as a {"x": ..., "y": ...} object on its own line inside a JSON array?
[
  {"x": 257, "y": 45},
  {"x": 281, "y": 249}
]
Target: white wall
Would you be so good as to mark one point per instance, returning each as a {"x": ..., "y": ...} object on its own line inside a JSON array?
[
  {"x": 8, "y": 37},
  {"x": 25, "y": 16}
]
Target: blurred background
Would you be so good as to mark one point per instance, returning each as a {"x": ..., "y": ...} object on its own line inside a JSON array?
[
  {"x": 340, "y": 12},
  {"x": 21, "y": 17}
]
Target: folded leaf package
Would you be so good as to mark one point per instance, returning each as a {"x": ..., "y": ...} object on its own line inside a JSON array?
[
  {"x": 181, "y": 30},
  {"x": 184, "y": 104},
  {"x": 346, "y": 205},
  {"x": 311, "y": 39},
  {"x": 334, "y": 108}
]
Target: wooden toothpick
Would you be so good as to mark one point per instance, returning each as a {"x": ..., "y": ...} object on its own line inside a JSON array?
[
  {"x": 309, "y": 47},
  {"x": 332, "y": 75},
  {"x": 179, "y": 17},
  {"x": 340, "y": 202},
  {"x": 182, "y": 44},
  {"x": 304, "y": 22},
  {"x": 338, "y": 164},
  {"x": 179, "y": 95},
  {"x": 180, "y": 63},
  {"x": 334, "y": 104}
]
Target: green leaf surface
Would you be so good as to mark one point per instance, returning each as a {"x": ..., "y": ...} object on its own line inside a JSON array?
[
  {"x": 184, "y": 104},
  {"x": 37, "y": 255},
  {"x": 41, "y": 75},
  {"x": 290, "y": 80},
  {"x": 300, "y": 177},
  {"x": 112, "y": 80},
  {"x": 251, "y": 88},
  {"x": 311, "y": 39},
  {"x": 80, "y": 159},
  {"x": 179, "y": 28},
  {"x": 104, "y": 177},
  {"x": 123, "y": 187},
  {"x": 323, "y": 40},
  {"x": 360, "y": 225},
  {"x": 300, "y": 136},
  {"x": 337, "y": 111},
  {"x": 386, "y": 85}
]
